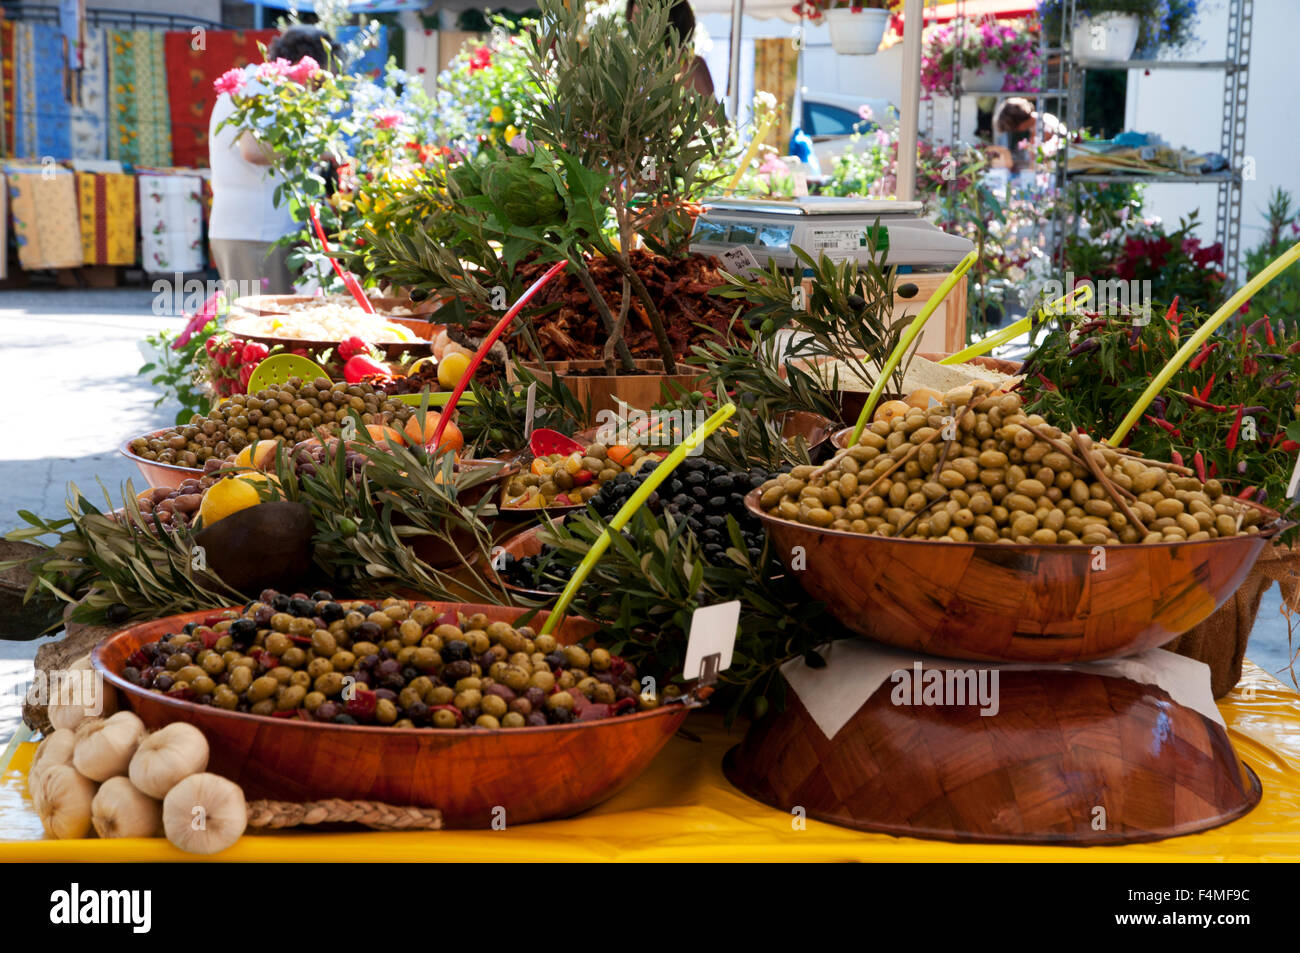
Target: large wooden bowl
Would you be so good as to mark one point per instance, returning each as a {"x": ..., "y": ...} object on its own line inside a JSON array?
[
  {"x": 533, "y": 773},
  {"x": 1069, "y": 758},
  {"x": 1012, "y": 603},
  {"x": 170, "y": 475}
]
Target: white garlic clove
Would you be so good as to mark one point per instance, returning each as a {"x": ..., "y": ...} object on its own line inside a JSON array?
[
  {"x": 205, "y": 814},
  {"x": 64, "y": 803},
  {"x": 167, "y": 757},
  {"x": 120, "y": 810},
  {"x": 104, "y": 747}
]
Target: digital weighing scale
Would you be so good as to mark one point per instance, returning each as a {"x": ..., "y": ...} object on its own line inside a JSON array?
[{"x": 819, "y": 224}]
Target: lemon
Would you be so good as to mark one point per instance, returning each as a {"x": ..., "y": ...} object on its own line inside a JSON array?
[
  {"x": 226, "y": 497},
  {"x": 451, "y": 369}
]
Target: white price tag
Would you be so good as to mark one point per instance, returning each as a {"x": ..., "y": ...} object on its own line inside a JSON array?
[
  {"x": 530, "y": 408},
  {"x": 1294, "y": 485},
  {"x": 713, "y": 632},
  {"x": 738, "y": 259}
]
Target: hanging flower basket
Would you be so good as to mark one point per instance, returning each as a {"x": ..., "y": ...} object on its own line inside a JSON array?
[
  {"x": 1106, "y": 36},
  {"x": 987, "y": 79},
  {"x": 856, "y": 31}
]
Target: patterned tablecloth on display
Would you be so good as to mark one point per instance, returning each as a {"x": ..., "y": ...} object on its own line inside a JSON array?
[
  {"x": 139, "y": 124},
  {"x": 171, "y": 221},
  {"x": 107, "y": 207},
  {"x": 43, "y": 207}
]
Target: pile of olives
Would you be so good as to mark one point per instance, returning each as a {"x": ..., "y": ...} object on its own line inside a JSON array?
[
  {"x": 173, "y": 508},
  {"x": 978, "y": 468},
  {"x": 568, "y": 479},
  {"x": 393, "y": 663},
  {"x": 291, "y": 412}
]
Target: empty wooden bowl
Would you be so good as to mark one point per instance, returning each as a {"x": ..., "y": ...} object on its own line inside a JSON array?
[
  {"x": 1013, "y": 603},
  {"x": 468, "y": 774},
  {"x": 1069, "y": 758}
]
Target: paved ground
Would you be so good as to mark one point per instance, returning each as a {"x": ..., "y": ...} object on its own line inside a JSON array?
[{"x": 70, "y": 394}]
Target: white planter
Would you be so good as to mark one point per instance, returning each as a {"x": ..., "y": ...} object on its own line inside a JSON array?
[
  {"x": 857, "y": 33},
  {"x": 986, "y": 79},
  {"x": 1107, "y": 36}
]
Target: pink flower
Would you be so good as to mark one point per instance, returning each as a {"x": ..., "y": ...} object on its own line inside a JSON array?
[
  {"x": 864, "y": 112},
  {"x": 304, "y": 71},
  {"x": 231, "y": 81},
  {"x": 274, "y": 70},
  {"x": 389, "y": 118}
]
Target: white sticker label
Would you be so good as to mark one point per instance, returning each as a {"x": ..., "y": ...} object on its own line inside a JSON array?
[
  {"x": 713, "y": 631},
  {"x": 836, "y": 239},
  {"x": 1295, "y": 480},
  {"x": 738, "y": 259}
]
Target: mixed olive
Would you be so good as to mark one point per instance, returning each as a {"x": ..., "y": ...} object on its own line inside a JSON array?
[
  {"x": 978, "y": 468},
  {"x": 568, "y": 479},
  {"x": 292, "y": 412},
  {"x": 393, "y": 663}
]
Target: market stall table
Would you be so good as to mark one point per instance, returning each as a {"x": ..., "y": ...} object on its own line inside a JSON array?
[{"x": 683, "y": 809}]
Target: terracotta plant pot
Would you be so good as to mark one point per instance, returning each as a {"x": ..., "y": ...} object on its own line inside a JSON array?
[{"x": 598, "y": 391}]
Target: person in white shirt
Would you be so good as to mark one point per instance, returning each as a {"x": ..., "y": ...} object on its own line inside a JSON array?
[{"x": 246, "y": 222}]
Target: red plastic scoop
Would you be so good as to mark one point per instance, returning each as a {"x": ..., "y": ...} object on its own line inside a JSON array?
[
  {"x": 349, "y": 280},
  {"x": 545, "y": 442}
]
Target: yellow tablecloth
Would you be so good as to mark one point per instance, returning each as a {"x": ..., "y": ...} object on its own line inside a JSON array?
[{"x": 683, "y": 809}]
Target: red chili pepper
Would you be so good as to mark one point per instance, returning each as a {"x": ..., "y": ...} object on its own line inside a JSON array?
[
  {"x": 1198, "y": 462},
  {"x": 1176, "y": 457},
  {"x": 1172, "y": 313},
  {"x": 1250, "y": 366},
  {"x": 1290, "y": 446},
  {"x": 1209, "y": 386},
  {"x": 1214, "y": 469},
  {"x": 1046, "y": 383},
  {"x": 1268, "y": 333},
  {"x": 1231, "y": 442},
  {"x": 1205, "y": 404},
  {"x": 1249, "y": 491},
  {"x": 1205, "y": 351},
  {"x": 1164, "y": 425}
]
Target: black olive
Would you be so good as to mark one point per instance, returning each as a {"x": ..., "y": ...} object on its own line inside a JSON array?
[
  {"x": 560, "y": 716},
  {"x": 117, "y": 612},
  {"x": 302, "y": 608},
  {"x": 418, "y": 712},
  {"x": 387, "y": 693},
  {"x": 190, "y": 627},
  {"x": 344, "y": 719},
  {"x": 320, "y": 595},
  {"x": 453, "y": 672},
  {"x": 410, "y": 673},
  {"x": 281, "y": 603},
  {"x": 369, "y": 632},
  {"x": 331, "y": 611},
  {"x": 456, "y": 650},
  {"x": 132, "y": 675},
  {"x": 557, "y": 660}
]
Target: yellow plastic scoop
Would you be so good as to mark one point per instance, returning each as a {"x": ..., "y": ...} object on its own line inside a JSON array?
[{"x": 276, "y": 370}]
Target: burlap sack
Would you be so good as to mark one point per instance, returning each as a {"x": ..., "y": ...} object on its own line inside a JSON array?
[{"x": 1220, "y": 641}]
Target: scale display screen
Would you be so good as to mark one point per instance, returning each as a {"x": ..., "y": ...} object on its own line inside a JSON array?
[{"x": 743, "y": 233}]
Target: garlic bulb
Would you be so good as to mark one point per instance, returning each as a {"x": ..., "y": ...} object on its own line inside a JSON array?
[
  {"x": 75, "y": 696},
  {"x": 64, "y": 802},
  {"x": 167, "y": 757},
  {"x": 119, "y": 810},
  {"x": 204, "y": 814},
  {"x": 104, "y": 748},
  {"x": 55, "y": 749}
]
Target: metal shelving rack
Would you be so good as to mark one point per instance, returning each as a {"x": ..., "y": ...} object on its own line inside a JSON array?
[
  {"x": 1062, "y": 92},
  {"x": 1235, "y": 66}
]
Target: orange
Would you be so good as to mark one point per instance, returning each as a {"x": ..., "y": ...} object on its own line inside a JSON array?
[
  {"x": 381, "y": 435},
  {"x": 452, "y": 438}
]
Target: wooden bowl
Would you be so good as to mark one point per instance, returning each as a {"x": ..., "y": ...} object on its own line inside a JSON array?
[
  {"x": 1012, "y": 602},
  {"x": 170, "y": 475},
  {"x": 392, "y": 350},
  {"x": 1061, "y": 746},
  {"x": 534, "y": 773},
  {"x": 524, "y": 543}
]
